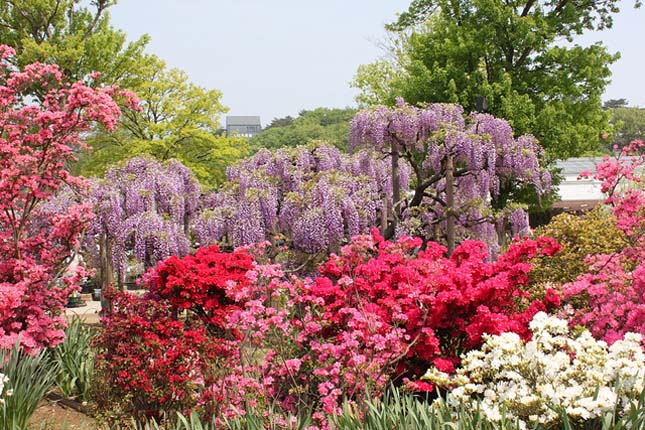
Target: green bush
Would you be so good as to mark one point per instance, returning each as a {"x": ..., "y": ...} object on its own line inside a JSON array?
[
  {"x": 30, "y": 376},
  {"x": 594, "y": 232}
]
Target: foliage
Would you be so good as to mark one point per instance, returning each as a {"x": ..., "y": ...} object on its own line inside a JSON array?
[
  {"x": 143, "y": 213},
  {"x": 394, "y": 411},
  {"x": 176, "y": 119},
  {"x": 30, "y": 376},
  {"x": 554, "y": 372},
  {"x": 510, "y": 59},
  {"x": 593, "y": 232},
  {"x": 464, "y": 170},
  {"x": 630, "y": 123},
  {"x": 75, "y": 360},
  {"x": 615, "y": 103},
  {"x": 402, "y": 411},
  {"x": 328, "y": 125},
  {"x": 311, "y": 199},
  {"x": 38, "y": 138},
  {"x": 76, "y": 36}
]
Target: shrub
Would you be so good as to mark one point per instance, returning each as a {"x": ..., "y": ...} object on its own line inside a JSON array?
[
  {"x": 554, "y": 373},
  {"x": 610, "y": 298},
  {"x": 591, "y": 233},
  {"x": 148, "y": 362},
  {"x": 41, "y": 119},
  {"x": 200, "y": 282}
]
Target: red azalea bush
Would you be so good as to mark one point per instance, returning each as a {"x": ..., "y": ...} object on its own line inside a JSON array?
[
  {"x": 199, "y": 282},
  {"x": 155, "y": 358},
  {"x": 149, "y": 361},
  {"x": 41, "y": 119}
]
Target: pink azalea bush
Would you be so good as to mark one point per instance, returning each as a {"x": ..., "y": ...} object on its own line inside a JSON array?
[
  {"x": 41, "y": 118},
  {"x": 610, "y": 298}
]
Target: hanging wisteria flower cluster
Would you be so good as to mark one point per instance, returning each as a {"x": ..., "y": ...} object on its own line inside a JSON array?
[
  {"x": 312, "y": 198},
  {"x": 143, "y": 211},
  {"x": 485, "y": 159}
]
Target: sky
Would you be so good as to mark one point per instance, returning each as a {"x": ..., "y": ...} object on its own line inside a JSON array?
[{"x": 276, "y": 58}]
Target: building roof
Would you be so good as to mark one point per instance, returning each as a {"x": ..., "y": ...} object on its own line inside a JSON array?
[
  {"x": 242, "y": 120},
  {"x": 573, "y": 166}
]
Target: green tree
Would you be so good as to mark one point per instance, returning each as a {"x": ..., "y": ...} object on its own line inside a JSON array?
[
  {"x": 629, "y": 123},
  {"x": 330, "y": 125},
  {"x": 280, "y": 122},
  {"x": 74, "y": 34},
  {"x": 506, "y": 58},
  {"x": 615, "y": 103},
  {"x": 178, "y": 119}
]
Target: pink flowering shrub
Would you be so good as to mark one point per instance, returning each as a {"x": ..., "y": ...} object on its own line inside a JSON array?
[
  {"x": 378, "y": 312},
  {"x": 610, "y": 298},
  {"x": 41, "y": 117},
  {"x": 382, "y": 311},
  {"x": 628, "y": 205}
]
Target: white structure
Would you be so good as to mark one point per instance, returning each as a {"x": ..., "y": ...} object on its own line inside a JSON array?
[{"x": 576, "y": 193}]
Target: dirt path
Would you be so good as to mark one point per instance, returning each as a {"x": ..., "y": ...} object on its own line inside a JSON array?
[{"x": 53, "y": 416}]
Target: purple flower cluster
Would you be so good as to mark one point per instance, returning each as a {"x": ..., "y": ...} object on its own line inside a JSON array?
[
  {"x": 488, "y": 161},
  {"x": 143, "y": 212},
  {"x": 313, "y": 198}
]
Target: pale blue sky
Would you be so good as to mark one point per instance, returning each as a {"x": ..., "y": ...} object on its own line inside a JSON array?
[{"x": 275, "y": 58}]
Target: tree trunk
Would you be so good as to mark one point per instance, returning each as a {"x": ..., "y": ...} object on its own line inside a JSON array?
[
  {"x": 384, "y": 214},
  {"x": 450, "y": 204},
  {"x": 107, "y": 277},
  {"x": 396, "y": 193},
  {"x": 109, "y": 269}
]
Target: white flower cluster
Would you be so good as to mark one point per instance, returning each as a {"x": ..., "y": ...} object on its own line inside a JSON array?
[
  {"x": 3, "y": 381},
  {"x": 555, "y": 371}
]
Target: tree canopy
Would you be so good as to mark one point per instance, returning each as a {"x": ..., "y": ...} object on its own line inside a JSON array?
[
  {"x": 629, "y": 124},
  {"x": 77, "y": 36},
  {"x": 178, "y": 119},
  {"x": 513, "y": 59},
  {"x": 330, "y": 125}
]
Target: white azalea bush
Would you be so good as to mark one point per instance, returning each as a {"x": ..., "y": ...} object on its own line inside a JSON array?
[
  {"x": 3, "y": 381},
  {"x": 533, "y": 382}
]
